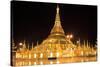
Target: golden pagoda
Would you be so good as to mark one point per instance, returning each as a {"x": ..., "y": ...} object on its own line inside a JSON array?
[
  {"x": 56, "y": 42},
  {"x": 56, "y": 45}
]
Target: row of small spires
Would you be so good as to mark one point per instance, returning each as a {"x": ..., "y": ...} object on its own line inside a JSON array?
[
  {"x": 86, "y": 44},
  {"x": 23, "y": 44}
]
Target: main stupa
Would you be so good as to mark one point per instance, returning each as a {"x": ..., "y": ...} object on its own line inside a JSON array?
[{"x": 56, "y": 41}]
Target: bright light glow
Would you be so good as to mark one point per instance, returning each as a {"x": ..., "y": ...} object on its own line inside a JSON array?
[
  {"x": 81, "y": 53},
  {"x": 95, "y": 52},
  {"x": 57, "y": 54},
  {"x": 29, "y": 63},
  {"x": 18, "y": 55},
  {"x": 20, "y": 44},
  {"x": 41, "y": 55},
  {"x": 51, "y": 40},
  {"x": 34, "y": 55},
  {"x": 20, "y": 63},
  {"x": 71, "y": 49},
  {"x": 71, "y": 36},
  {"x": 57, "y": 62},
  {"x": 35, "y": 63},
  {"x": 51, "y": 54},
  {"x": 77, "y": 42},
  {"x": 51, "y": 62},
  {"x": 67, "y": 36},
  {"x": 41, "y": 62},
  {"x": 29, "y": 56}
]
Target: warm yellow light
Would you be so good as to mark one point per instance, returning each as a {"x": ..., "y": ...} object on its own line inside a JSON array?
[
  {"x": 41, "y": 55},
  {"x": 95, "y": 52},
  {"x": 41, "y": 62},
  {"x": 68, "y": 36},
  {"x": 51, "y": 54},
  {"x": 20, "y": 63},
  {"x": 20, "y": 44},
  {"x": 57, "y": 54},
  {"x": 29, "y": 63},
  {"x": 77, "y": 42},
  {"x": 71, "y": 36},
  {"x": 29, "y": 56},
  {"x": 34, "y": 55},
  {"x": 81, "y": 53},
  {"x": 35, "y": 63},
  {"x": 51, "y": 62},
  {"x": 18, "y": 55},
  {"x": 82, "y": 60},
  {"x": 57, "y": 62}
]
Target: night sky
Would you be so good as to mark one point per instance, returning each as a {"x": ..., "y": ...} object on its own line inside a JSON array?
[{"x": 33, "y": 21}]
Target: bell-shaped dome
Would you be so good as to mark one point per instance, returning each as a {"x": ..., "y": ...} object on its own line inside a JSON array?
[{"x": 57, "y": 35}]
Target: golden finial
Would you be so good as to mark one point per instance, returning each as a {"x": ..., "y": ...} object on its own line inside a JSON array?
[
  {"x": 57, "y": 8},
  {"x": 32, "y": 45}
]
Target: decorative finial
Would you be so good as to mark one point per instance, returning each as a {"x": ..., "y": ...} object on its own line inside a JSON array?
[
  {"x": 24, "y": 45},
  {"x": 57, "y": 26},
  {"x": 37, "y": 43},
  {"x": 57, "y": 8},
  {"x": 87, "y": 43},
  {"x": 28, "y": 46},
  {"x": 32, "y": 45}
]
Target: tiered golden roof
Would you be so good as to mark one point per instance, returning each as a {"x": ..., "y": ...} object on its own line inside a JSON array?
[{"x": 57, "y": 35}]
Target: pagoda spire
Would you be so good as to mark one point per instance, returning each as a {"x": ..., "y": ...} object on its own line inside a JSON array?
[
  {"x": 87, "y": 45},
  {"x": 24, "y": 44},
  {"x": 57, "y": 26},
  {"x": 37, "y": 43},
  {"x": 13, "y": 46},
  {"x": 79, "y": 44},
  {"x": 28, "y": 46},
  {"x": 32, "y": 45}
]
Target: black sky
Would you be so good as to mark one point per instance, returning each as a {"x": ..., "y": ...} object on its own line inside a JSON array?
[{"x": 33, "y": 21}]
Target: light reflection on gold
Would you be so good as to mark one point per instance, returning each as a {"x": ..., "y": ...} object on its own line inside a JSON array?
[
  {"x": 57, "y": 62},
  {"x": 41, "y": 62},
  {"x": 41, "y": 55},
  {"x": 35, "y": 55},
  {"x": 51, "y": 62},
  {"x": 35, "y": 63},
  {"x": 57, "y": 54}
]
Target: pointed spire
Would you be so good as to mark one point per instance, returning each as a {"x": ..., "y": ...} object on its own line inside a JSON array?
[
  {"x": 28, "y": 46},
  {"x": 87, "y": 44},
  {"x": 57, "y": 26},
  {"x": 84, "y": 44},
  {"x": 79, "y": 42},
  {"x": 32, "y": 45},
  {"x": 91, "y": 47},
  {"x": 37, "y": 43},
  {"x": 57, "y": 19},
  {"x": 13, "y": 45},
  {"x": 57, "y": 8},
  {"x": 24, "y": 44}
]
